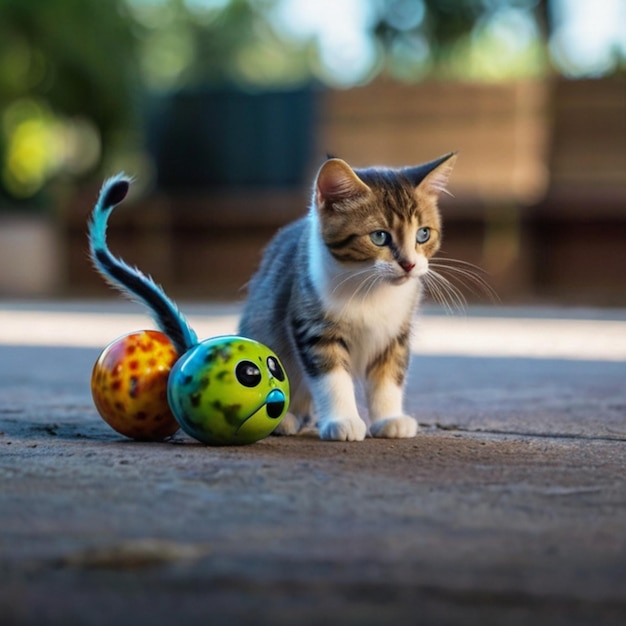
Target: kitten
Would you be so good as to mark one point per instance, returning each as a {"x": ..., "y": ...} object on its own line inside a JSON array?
[{"x": 337, "y": 290}]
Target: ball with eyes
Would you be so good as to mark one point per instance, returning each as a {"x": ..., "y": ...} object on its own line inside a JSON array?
[
  {"x": 228, "y": 391},
  {"x": 129, "y": 385}
]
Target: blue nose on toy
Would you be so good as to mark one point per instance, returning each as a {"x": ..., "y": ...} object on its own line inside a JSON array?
[{"x": 275, "y": 403}]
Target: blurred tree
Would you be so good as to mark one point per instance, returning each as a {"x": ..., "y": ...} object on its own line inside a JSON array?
[
  {"x": 60, "y": 61},
  {"x": 194, "y": 42},
  {"x": 469, "y": 39}
]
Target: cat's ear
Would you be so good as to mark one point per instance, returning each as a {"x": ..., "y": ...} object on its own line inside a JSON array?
[
  {"x": 336, "y": 181},
  {"x": 434, "y": 175}
]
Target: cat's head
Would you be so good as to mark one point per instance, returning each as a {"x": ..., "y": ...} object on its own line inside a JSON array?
[{"x": 386, "y": 218}]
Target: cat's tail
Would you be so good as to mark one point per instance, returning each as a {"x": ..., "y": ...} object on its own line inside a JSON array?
[{"x": 129, "y": 280}]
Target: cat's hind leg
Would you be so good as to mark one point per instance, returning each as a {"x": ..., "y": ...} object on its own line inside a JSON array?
[
  {"x": 299, "y": 410},
  {"x": 289, "y": 425}
]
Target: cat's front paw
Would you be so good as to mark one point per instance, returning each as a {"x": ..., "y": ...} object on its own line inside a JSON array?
[
  {"x": 343, "y": 430},
  {"x": 401, "y": 427}
]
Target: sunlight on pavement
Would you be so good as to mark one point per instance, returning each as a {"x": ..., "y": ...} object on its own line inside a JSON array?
[
  {"x": 529, "y": 337},
  {"x": 600, "y": 340}
]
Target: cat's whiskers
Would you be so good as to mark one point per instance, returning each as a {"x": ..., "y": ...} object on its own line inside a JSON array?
[
  {"x": 449, "y": 295},
  {"x": 367, "y": 284},
  {"x": 375, "y": 276},
  {"x": 468, "y": 274},
  {"x": 370, "y": 280},
  {"x": 444, "y": 292},
  {"x": 377, "y": 279},
  {"x": 350, "y": 274}
]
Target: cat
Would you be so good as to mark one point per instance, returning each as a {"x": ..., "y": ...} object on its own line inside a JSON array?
[{"x": 337, "y": 290}]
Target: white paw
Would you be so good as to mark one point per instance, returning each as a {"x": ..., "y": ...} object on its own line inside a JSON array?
[
  {"x": 289, "y": 425},
  {"x": 394, "y": 427},
  {"x": 343, "y": 430}
]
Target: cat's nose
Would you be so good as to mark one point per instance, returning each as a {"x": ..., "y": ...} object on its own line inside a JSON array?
[{"x": 407, "y": 266}]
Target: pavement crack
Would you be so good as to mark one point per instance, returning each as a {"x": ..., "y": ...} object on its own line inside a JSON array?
[
  {"x": 133, "y": 554},
  {"x": 619, "y": 437}
]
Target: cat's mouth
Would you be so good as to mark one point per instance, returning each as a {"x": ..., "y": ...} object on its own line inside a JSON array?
[{"x": 401, "y": 279}]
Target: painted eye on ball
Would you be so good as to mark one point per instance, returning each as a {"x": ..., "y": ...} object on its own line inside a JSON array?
[
  {"x": 380, "y": 238},
  {"x": 248, "y": 374},
  {"x": 423, "y": 235},
  {"x": 275, "y": 369}
]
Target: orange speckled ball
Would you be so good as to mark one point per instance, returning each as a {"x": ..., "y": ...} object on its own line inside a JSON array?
[{"x": 129, "y": 385}]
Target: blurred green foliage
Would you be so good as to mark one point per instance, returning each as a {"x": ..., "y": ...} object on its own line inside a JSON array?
[
  {"x": 470, "y": 39},
  {"x": 78, "y": 55},
  {"x": 197, "y": 42},
  {"x": 68, "y": 87},
  {"x": 75, "y": 75}
]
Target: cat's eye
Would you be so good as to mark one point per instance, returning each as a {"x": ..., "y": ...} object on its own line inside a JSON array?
[
  {"x": 275, "y": 368},
  {"x": 380, "y": 238},
  {"x": 423, "y": 235},
  {"x": 248, "y": 374}
]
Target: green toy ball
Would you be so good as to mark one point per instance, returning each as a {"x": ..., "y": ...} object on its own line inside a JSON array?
[{"x": 228, "y": 391}]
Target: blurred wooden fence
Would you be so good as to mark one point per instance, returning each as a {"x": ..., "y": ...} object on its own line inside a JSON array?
[
  {"x": 499, "y": 130},
  {"x": 578, "y": 229}
]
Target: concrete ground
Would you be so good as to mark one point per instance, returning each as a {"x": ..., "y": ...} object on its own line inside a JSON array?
[{"x": 508, "y": 508}]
